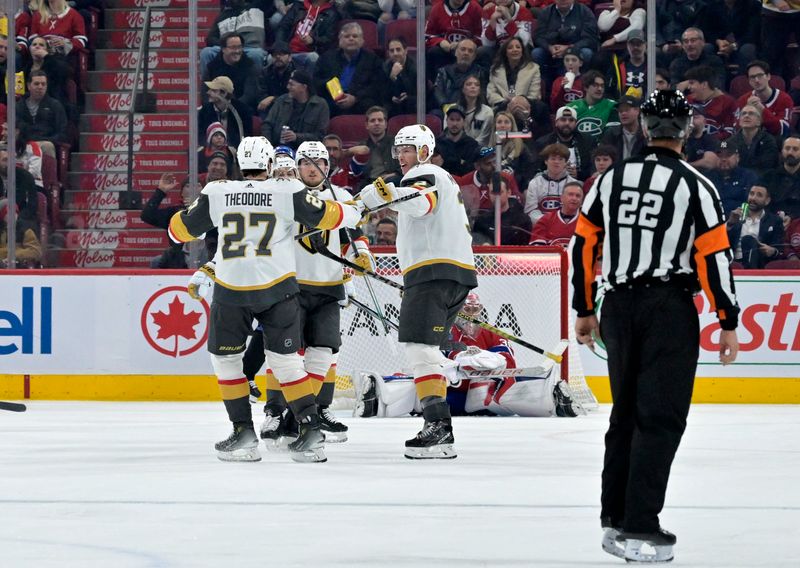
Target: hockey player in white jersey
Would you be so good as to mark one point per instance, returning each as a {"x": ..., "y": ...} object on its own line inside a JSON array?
[
  {"x": 322, "y": 288},
  {"x": 255, "y": 279},
  {"x": 434, "y": 246}
]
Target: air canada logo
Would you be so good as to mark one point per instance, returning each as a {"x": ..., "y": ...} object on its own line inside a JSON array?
[{"x": 173, "y": 323}]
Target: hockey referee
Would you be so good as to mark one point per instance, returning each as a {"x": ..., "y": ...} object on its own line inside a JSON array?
[{"x": 659, "y": 226}]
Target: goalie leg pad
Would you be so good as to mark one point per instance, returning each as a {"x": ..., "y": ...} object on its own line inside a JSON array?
[{"x": 527, "y": 396}]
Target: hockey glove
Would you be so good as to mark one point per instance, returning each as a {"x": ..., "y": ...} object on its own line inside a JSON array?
[
  {"x": 352, "y": 213},
  {"x": 202, "y": 282},
  {"x": 377, "y": 194},
  {"x": 480, "y": 359},
  {"x": 364, "y": 257},
  {"x": 349, "y": 291}
]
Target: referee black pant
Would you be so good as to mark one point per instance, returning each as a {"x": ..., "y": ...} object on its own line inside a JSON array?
[{"x": 651, "y": 333}]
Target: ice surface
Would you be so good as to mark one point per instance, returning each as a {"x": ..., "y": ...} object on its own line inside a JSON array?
[{"x": 138, "y": 485}]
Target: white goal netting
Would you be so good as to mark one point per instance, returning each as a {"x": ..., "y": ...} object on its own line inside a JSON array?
[{"x": 524, "y": 292}]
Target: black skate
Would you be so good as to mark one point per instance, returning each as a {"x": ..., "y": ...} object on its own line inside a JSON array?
[
  {"x": 611, "y": 531},
  {"x": 648, "y": 547},
  {"x": 366, "y": 397},
  {"x": 309, "y": 446},
  {"x": 278, "y": 431},
  {"x": 335, "y": 431},
  {"x": 565, "y": 404},
  {"x": 255, "y": 392},
  {"x": 435, "y": 441},
  {"x": 241, "y": 445}
]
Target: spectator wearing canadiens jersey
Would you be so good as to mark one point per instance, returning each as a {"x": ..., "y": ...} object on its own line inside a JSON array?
[
  {"x": 568, "y": 87},
  {"x": 506, "y": 19},
  {"x": 545, "y": 189},
  {"x": 556, "y": 228},
  {"x": 718, "y": 108},
  {"x": 448, "y": 23},
  {"x": 775, "y": 105}
]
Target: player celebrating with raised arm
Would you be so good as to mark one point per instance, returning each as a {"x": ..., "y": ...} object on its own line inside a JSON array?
[
  {"x": 255, "y": 279},
  {"x": 434, "y": 246}
]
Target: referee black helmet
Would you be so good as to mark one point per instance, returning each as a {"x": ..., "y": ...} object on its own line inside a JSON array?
[{"x": 666, "y": 114}]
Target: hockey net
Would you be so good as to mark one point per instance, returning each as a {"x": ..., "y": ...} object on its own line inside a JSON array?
[{"x": 524, "y": 291}]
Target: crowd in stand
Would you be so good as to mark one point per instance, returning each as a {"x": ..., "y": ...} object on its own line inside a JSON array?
[
  {"x": 567, "y": 75},
  {"x": 50, "y": 36}
]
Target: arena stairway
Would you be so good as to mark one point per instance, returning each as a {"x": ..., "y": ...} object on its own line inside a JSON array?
[{"x": 95, "y": 232}]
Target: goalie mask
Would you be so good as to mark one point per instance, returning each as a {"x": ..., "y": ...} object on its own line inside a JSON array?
[
  {"x": 417, "y": 135},
  {"x": 255, "y": 153},
  {"x": 472, "y": 307}
]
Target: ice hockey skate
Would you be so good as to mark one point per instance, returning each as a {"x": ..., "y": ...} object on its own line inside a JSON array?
[
  {"x": 335, "y": 432},
  {"x": 435, "y": 441},
  {"x": 309, "y": 446},
  {"x": 610, "y": 534},
  {"x": 648, "y": 547},
  {"x": 241, "y": 445},
  {"x": 255, "y": 392},
  {"x": 278, "y": 431}
]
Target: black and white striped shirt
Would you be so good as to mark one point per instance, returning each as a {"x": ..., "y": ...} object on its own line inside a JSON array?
[{"x": 652, "y": 216}]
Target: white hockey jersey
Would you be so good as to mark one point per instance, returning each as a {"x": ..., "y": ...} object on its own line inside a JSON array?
[
  {"x": 257, "y": 223},
  {"x": 433, "y": 237}
]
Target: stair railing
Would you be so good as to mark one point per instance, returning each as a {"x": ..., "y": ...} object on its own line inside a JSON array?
[{"x": 138, "y": 103}]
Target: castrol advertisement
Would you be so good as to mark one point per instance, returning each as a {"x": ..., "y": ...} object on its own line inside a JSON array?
[{"x": 769, "y": 330}]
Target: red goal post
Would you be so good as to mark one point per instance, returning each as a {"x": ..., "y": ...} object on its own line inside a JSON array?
[{"x": 524, "y": 290}]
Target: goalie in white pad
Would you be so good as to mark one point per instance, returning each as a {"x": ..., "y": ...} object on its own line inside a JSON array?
[{"x": 474, "y": 351}]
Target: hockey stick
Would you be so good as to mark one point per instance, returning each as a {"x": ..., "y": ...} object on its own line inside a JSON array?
[
  {"x": 327, "y": 182},
  {"x": 373, "y": 313},
  {"x": 378, "y": 182},
  {"x": 13, "y": 406},
  {"x": 554, "y": 356},
  {"x": 352, "y": 265}
]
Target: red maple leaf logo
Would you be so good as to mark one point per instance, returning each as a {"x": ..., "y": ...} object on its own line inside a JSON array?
[{"x": 176, "y": 322}]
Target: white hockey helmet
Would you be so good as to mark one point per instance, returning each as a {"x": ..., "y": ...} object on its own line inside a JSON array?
[
  {"x": 313, "y": 150},
  {"x": 284, "y": 167},
  {"x": 417, "y": 135},
  {"x": 255, "y": 153}
]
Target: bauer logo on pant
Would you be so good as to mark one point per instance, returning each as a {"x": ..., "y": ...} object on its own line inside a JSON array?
[{"x": 173, "y": 323}]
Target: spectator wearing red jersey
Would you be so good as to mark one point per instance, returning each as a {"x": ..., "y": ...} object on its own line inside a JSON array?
[
  {"x": 450, "y": 21},
  {"x": 791, "y": 249},
  {"x": 568, "y": 87},
  {"x": 557, "y": 227},
  {"x": 60, "y": 25},
  {"x": 309, "y": 27},
  {"x": 718, "y": 108},
  {"x": 775, "y": 105},
  {"x": 506, "y": 19}
]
